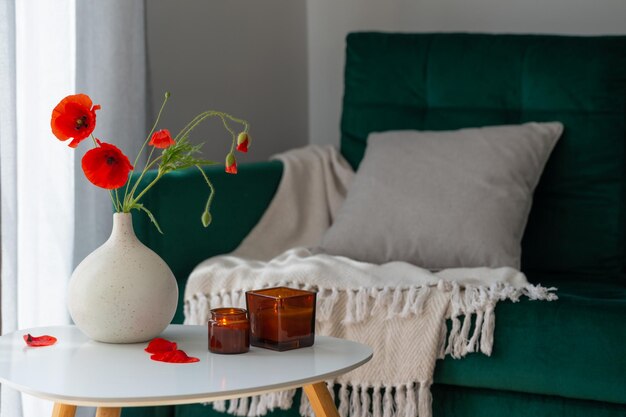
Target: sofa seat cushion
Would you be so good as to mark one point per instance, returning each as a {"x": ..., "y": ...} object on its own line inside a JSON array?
[{"x": 574, "y": 347}]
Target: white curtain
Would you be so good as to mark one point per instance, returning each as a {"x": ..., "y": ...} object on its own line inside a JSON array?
[
  {"x": 10, "y": 403},
  {"x": 51, "y": 216}
]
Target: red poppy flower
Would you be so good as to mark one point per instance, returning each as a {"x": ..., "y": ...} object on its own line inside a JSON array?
[
  {"x": 38, "y": 341},
  {"x": 161, "y": 139},
  {"x": 173, "y": 356},
  {"x": 158, "y": 345},
  {"x": 74, "y": 117},
  {"x": 243, "y": 141},
  {"x": 106, "y": 166},
  {"x": 231, "y": 164}
]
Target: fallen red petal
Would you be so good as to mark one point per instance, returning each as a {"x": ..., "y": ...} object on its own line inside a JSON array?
[
  {"x": 39, "y": 341},
  {"x": 174, "y": 356},
  {"x": 159, "y": 345}
]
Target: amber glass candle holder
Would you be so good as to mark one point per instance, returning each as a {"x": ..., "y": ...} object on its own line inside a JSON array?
[
  {"x": 229, "y": 331},
  {"x": 281, "y": 318}
]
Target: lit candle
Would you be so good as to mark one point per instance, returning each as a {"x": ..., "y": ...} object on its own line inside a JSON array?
[
  {"x": 229, "y": 330},
  {"x": 281, "y": 318}
]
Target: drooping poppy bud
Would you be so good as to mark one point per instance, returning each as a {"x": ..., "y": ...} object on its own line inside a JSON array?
[
  {"x": 162, "y": 139},
  {"x": 231, "y": 164},
  {"x": 243, "y": 141},
  {"x": 106, "y": 166},
  {"x": 74, "y": 117},
  {"x": 39, "y": 341},
  {"x": 206, "y": 219}
]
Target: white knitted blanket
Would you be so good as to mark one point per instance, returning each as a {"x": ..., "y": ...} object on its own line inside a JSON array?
[{"x": 398, "y": 309}]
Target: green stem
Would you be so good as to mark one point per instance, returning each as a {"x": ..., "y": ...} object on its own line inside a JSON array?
[
  {"x": 127, "y": 202},
  {"x": 130, "y": 201},
  {"x": 204, "y": 115},
  {"x": 115, "y": 203},
  {"x": 195, "y": 122},
  {"x": 156, "y": 122},
  {"x": 232, "y": 133},
  {"x": 206, "y": 221},
  {"x": 149, "y": 164},
  {"x": 145, "y": 142},
  {"x": 117, "y": 197},
  {"x": 192, "y": 121},
  {"x": 212, "y": 194},
  {"x": 133, "y": 202}
]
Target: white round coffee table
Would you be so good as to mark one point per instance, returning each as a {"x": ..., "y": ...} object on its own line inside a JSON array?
[{"x": 78, "y": 371}]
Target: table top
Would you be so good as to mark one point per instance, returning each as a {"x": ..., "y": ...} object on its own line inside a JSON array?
[{"x": 80, "y": 371}]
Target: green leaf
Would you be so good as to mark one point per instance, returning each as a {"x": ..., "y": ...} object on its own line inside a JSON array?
[
  {"x": 150, "y": 215},
  {"x": 182, "y": 155},
  {"x": 204, "y": 162}
]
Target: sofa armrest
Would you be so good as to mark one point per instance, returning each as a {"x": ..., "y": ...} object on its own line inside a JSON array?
[{"x": 177, "y": 202}]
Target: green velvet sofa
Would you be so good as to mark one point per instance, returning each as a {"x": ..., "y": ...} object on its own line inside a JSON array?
[{"x": 561, "y": 358}]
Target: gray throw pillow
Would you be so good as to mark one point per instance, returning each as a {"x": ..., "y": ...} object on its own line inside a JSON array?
[{"x": 443, "y": 199}]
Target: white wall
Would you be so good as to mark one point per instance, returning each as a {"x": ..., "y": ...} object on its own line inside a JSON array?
[
  {"x": 329, "y": 21},
  {"x": 244, "y": 57}
]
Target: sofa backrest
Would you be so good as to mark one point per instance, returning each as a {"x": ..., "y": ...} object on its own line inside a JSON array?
[{"x": 577, "y": 225}]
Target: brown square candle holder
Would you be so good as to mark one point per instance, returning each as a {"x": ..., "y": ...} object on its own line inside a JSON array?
[{"x": 281, "y": 318}]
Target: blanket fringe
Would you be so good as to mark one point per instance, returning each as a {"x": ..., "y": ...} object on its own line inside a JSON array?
[
  {"x": 219, "y": 406},
  {"x": 388, "y": 405},
  {"x": 471, "y": 311},
  {"x": 377, "y": 401},
  {"x": 425, "y": 399},
  {"x": 344, "y": 400},
  {"x": 258, "y": 405},
  {"x": 407, "y": 400}
]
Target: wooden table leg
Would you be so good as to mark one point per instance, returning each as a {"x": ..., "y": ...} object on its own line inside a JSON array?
[
  {"x": 320, "y": 399},
  {"x": 108, "y": 412},
  {"x": 63, "y": 410}
]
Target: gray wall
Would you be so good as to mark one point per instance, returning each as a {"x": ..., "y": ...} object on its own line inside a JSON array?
[
  {"x": 279, "y": 63},
  {"x": 244, "y": 57},
  {"x": 330, "y": 20}
]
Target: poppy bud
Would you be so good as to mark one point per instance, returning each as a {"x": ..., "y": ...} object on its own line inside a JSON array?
[
  {"x": 231, "y": 164},
  {"x": 167, "y": 94},
  {"x": 206, "y": 219},
  {"x": 162, "y": 139},
  {"x": 243, "y": 141}
]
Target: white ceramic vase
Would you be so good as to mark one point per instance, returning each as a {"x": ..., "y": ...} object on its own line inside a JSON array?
[{"x": 122, "y": 292}]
